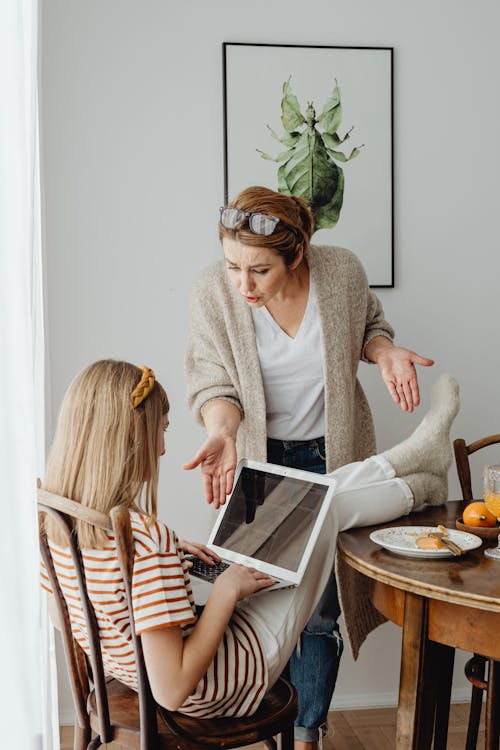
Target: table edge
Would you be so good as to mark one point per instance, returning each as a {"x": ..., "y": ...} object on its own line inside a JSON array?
[{"x": 415, "y": 587}]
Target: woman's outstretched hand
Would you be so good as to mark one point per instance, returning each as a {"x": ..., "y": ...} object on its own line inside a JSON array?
[
  {"x": 397, "y": 367},
  {"x": 217, "y": 457}
]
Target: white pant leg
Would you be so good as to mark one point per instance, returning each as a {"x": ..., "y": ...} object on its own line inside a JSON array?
[
  {"x": 368, "y": 492},
  {"x": 363, "y": 497},
  {"x": 359, "y": 473}
]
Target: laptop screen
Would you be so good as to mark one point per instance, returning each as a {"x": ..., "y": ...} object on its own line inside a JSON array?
[{"x": 270, "y": 517}]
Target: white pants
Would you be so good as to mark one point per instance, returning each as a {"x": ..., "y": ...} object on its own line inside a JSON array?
[{"x": 366, "y": 493}]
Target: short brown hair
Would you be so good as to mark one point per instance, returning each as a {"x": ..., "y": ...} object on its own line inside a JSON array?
[{"x": 293, "y": 212}]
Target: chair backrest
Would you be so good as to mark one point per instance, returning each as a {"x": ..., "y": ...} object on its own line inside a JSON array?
[
  {"x": 462, "y": 453},
  {"x": 87, "y": 672}
]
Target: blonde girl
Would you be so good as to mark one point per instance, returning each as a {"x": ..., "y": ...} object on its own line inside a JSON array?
[{"x": 109, "y": 438}]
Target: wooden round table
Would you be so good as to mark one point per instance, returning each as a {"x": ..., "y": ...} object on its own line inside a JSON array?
[{"x": 441, "y": 605}]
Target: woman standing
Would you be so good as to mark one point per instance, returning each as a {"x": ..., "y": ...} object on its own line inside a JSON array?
[{"x": 277, "y": 332}]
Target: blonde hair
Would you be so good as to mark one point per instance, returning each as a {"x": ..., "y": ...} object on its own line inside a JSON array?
[
  {"x": 105, "y": 452},
  {"x": 292, "y": 234}
]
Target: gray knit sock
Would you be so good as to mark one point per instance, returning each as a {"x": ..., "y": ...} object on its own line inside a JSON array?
[
  {"x": 428, "y": 448},
  {"x": 427, "y": 489}
]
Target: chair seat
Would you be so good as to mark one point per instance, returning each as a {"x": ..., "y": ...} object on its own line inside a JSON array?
[{"x": 278, "y": 707}]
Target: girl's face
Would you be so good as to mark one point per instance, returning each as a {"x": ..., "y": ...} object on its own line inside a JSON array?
[
  {"x": 162, "y": 428},
  {"x": 257, "y": 273}
]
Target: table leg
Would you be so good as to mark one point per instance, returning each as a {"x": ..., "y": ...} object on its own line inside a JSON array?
[{"x": 417, "y": 699}]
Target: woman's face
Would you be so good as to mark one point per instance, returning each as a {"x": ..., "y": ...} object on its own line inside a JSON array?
[{"x": 257, "y": 273}]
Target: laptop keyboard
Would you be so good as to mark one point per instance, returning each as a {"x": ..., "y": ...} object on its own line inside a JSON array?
[{"x": 205, "y": 571}]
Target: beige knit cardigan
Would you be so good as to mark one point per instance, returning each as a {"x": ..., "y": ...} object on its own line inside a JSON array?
[
  {"x": 222, "y": 363},
  {"x": 222, "y": 360}
]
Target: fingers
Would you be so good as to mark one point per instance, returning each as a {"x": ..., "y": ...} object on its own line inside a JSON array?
[
  {"x": 404, "y": 393},
  {"x": 207, "y": 486},
  {"x": 256, "y": 579},
  {"x": 196, "y": 461},
  {"x": 418, "y": 360},
  {"x": 408, "y": 397},
  {"x": 399, "y": 373},
  {"x": 402, "y": 396},
  {"x": 408, "y": 393},
  {"x": 218, "y": 489},
  {"x": 229, "y": 481},
  {"x": 200, "y": 550},
  {"x": 216, "y": 483},
  {"x": 222, "y": 488},
  {"x": 415, "y": 391},
  {"x": 393, "y": 391},
  {"x": 205, "y": 554},
  {"x": 217, "y": 458},
  {"x": 264, "y": 583},
  {"x": 219, "y": 484},
  {"x": 257, "y": 574},
  {"x": 206, "y": 453}
]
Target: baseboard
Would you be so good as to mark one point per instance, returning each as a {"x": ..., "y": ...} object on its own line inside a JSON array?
[
  {"x": 360, "y": 701},
  {"x": 346, "y": 702},
  {"x": 66, "y": 718}
]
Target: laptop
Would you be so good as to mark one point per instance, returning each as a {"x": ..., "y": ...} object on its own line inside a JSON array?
[{"x": 270, "y": 522}]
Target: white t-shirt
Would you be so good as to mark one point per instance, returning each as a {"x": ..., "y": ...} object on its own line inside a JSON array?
[{"x": 292, "y": 373}]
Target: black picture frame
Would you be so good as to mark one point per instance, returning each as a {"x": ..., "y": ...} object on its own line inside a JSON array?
[{"x": 253, "y": 79}]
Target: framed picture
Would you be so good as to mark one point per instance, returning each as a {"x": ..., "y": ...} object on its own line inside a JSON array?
[{"x": 317, "y": 122}]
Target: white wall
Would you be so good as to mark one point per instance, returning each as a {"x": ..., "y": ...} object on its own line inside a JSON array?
[{"x": 132, "y": 151}]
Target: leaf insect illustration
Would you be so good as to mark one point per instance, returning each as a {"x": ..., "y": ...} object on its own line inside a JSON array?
[{"x": 309, "y": 167}]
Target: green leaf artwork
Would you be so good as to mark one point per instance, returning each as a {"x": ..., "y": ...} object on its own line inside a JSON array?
[{"x": 309, "y": 167}]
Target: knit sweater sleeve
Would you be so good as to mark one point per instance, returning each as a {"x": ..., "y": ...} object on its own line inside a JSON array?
[
  {"x": 376, "y": 324},
  {"x": 207, "y": 375}
]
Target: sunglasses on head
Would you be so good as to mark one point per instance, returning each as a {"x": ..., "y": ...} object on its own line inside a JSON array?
[{"x": 262, "y": 224}]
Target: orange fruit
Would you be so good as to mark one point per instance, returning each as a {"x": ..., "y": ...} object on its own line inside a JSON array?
[{"x": 477, "y": 514}]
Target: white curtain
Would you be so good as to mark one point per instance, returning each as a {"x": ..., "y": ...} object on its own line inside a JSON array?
[{"x": 27, "y": 706}]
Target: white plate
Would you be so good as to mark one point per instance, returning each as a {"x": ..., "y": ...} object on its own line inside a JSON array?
[{"x": 401, "y": 541}]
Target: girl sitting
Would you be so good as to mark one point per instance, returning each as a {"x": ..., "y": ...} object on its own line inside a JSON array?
[{"x": 106, "y": 450}]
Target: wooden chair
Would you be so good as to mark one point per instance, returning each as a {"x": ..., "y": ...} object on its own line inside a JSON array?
[
  {"x": 114, "y": 711},
  {"x": 475, "y": 668}
]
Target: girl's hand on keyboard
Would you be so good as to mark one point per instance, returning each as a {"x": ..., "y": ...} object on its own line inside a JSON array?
[
  {"x": 200, "y": 550},
  {"x": 242, "y": 581}
]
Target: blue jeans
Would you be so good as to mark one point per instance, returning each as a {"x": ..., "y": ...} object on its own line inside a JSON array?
[{"x": 314, "y": 665}]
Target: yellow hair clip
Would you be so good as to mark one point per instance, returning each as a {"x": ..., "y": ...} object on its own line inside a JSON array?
[{"x": 143, "y": 388}]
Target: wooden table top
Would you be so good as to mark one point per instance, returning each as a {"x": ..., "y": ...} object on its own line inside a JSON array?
[{"x": 472, "y": 580}]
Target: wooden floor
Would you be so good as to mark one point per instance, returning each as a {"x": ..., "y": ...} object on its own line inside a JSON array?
[{"x": 373, "y": 729}]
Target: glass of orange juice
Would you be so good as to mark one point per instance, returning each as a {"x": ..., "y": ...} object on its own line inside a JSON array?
[{"x": 491, "y": 496}]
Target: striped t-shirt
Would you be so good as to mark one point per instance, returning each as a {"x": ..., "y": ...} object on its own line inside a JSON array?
[{"x": 236, "y": 680}]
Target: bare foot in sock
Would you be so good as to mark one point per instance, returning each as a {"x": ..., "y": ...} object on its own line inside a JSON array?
[
  {"x": 427, "y": 489},
  {"x": 428, "y": 449}
]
